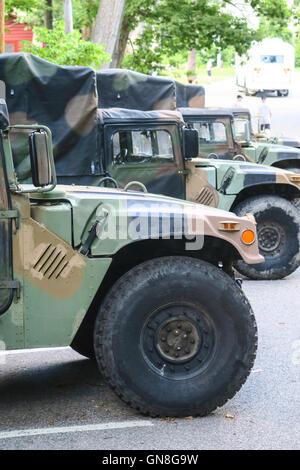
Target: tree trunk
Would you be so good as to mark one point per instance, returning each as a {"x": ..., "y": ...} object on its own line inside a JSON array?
[
  {"x": 107, "y": 28},
  {"x": 191, "y": 66},
  {"x": 68, "y": 15},
  {"x": 49, "y": 15},
  {"x": 125, "y": 31}
]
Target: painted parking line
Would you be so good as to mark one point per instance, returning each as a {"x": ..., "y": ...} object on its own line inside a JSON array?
[{"x": 69, "y": 429}]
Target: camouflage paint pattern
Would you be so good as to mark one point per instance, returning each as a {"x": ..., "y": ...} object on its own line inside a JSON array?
[
  {"x": 213, "y": 182},
  {"x": 66, "y": 99},
  {"x": 269, "y": 150},
  {"x": 189, "y": 96},
  {"x": 57, "y": 282},
  {"x": 226, "y": 150}
]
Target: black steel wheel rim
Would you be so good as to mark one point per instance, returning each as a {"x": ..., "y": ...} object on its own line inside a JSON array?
[
  {"x": 178, "y": 341},
  {"x": 271, "y": 238}
]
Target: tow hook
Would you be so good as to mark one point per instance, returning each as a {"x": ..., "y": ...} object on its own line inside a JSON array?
[{"x": 239, "y": 281}]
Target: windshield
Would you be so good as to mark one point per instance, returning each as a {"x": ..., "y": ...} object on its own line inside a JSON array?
[{"x": 272, "y": 59}]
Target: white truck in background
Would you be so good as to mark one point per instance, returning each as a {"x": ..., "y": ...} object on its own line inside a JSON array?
[{"x": 268, "y": 66}]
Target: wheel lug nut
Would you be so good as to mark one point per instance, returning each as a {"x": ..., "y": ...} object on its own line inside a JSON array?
[
  {"x": 163, "y": 338},
  {"x": 187, "y": 351},
  {"x": 192, "y": 341},
  {"x": 178, "y": 348}
]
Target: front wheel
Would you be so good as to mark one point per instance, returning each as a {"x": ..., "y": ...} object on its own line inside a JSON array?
[
  {"x": 175, "y": 336},
  {"x": 278, "y": 230}
]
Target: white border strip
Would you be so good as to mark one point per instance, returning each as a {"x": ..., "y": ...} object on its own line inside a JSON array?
[
  {"x": 8, "y": 352},
  {"x": 69, "y": 429}
]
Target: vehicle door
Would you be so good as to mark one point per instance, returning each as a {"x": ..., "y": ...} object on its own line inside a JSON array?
[
  {"x": 7, "y": 285},
  {"x": 150, "y": 155}
]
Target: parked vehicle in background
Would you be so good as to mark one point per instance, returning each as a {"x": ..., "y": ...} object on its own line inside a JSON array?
[
  {"x": 153, "y": 147},
  {"x": 282, "y": 152},
  {"x": 268, "y": 67},
  {"x": 156, "y": 149},
  {"x": 243, "y": 114}
]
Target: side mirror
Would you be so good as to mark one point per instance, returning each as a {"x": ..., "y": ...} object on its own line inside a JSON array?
[
  {"x": 40, "y": 158},
  {"x": 190, "y": 143},
  {"x": 4, "y": 119}
]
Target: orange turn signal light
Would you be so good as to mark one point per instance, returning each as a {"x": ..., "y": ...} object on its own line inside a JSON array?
[
  {"x": 248, "y": 237},
  {"x": 295, "y": 178},
  {"x": 229, "y": 226}
]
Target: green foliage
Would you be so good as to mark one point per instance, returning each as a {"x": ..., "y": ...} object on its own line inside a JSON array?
[
  {"x": 269, "y": 29},
  {"x": 66, "y": 49},
  {"x": 171, "y": 26}
]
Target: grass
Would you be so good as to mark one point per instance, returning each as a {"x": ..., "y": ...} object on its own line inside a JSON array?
[{"x": 202, "y": 77}]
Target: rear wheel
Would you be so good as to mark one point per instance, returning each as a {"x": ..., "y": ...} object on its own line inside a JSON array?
[
  {"x": 175, "y": 336},
  {"x": 278, "y": 229}
]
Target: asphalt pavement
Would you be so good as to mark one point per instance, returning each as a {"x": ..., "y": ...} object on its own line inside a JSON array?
[{"x": 56, "y": 399}]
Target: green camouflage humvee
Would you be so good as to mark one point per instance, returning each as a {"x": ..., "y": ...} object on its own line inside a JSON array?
[
  {"x": 150, "y": 146},
  {"x": 66, "y": 100},
  {"x": 282, "y": 152},
  {"x": 142, "y": 282}
]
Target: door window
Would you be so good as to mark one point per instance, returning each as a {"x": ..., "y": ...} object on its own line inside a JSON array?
[
  {"x": 211, "y": 132},
  {"x": 142, "y": 146}
]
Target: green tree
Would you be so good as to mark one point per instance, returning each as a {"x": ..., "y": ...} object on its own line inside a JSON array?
[
  {"x": 170, "y": 26},
  {"x": 65, "y": 49}
]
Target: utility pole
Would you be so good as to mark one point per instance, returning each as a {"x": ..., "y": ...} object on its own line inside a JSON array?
[
  {"x": 2, "y": 26},
  {"x": 68, "y": 15}
]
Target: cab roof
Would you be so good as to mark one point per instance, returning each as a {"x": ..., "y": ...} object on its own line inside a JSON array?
[
  {"x": 237, "y": 110},
  {"x": 110, "y": 115},
  {"x": 214, "y": 112}
]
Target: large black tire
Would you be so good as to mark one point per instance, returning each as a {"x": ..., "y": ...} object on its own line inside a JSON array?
[
  {"x": 295, "y": 201},
  {"x": 170, "y": 303},
  {"x": 278, "y": 229}
]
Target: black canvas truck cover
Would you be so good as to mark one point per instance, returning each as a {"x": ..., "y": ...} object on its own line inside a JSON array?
[
  {"x": 189, "y": 96},
  {"x": 62, "y": 98},
  {"x": 120, "y": 88}
]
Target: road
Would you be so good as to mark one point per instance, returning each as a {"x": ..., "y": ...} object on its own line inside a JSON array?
[
  {"x": 57, "y": 399},
  {"x": 285, "y": 110},
  {"x": 43, "y": 391}
]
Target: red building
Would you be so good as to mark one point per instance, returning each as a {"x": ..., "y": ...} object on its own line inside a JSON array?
[{"x": 16, "y": 32}]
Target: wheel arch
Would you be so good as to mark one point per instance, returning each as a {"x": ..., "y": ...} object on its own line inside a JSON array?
[
  {"x": 214, "y": 250},
  {"x": 285, "y": 191},
  {"x": 287, "y": 164}
]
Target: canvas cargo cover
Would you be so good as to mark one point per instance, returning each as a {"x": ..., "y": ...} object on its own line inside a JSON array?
[
  {"x": 190, "y": 96},
  {"x": 120, "y": 88},
  {"x": 62, "y": 98}
]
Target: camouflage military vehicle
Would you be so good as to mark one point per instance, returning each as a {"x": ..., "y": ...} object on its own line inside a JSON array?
[
  {"x": 149, "y": 147},
  {"x": 172, "y": 333},
  {"x": 281, "y": 152},
  {"x": 66, "y": 100}
]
